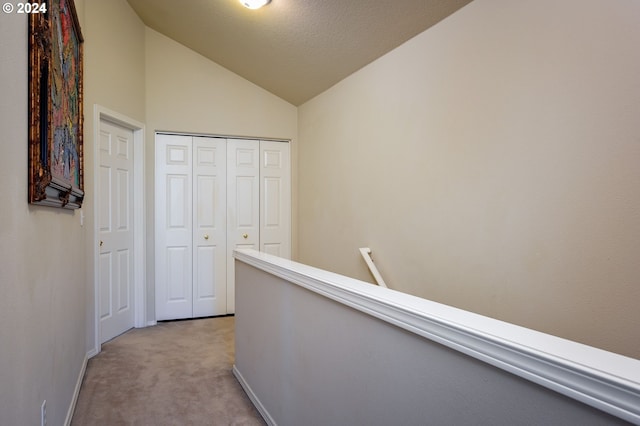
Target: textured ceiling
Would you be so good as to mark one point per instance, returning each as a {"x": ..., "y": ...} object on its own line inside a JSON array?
[{"x": 295, "y": 49}]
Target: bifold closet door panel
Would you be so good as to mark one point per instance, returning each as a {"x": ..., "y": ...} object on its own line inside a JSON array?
[
  {"x": 209, "y": 226},
  {"x": 275, "y": 198},
  {"x": 243, "y": 204},
  {"x": 173, "y": 227}
]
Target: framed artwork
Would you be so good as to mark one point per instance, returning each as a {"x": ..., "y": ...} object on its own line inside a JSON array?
[{"x": 55, "y": 106}]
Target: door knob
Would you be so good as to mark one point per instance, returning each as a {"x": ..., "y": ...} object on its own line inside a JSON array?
[
  {"x": 206, "y": 236},
  {"x": 245, "y": 235},
  {"x": 101, "y": 242}
]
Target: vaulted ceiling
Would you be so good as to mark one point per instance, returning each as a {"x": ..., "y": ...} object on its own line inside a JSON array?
[{"x": 295, "y": 49}]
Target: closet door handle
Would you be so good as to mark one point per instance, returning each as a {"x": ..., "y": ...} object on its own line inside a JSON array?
[
  {"x": 245, "y": 236},
  {"x": 206, "y": 236}
]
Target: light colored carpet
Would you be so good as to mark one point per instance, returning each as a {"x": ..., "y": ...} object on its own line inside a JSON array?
[{"x": 175, "y": 373}]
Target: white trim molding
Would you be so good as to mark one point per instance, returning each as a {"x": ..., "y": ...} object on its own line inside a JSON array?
[
  {"x": 253, "y": 397},
  {"x": 607, "y": 381},
  {"x": 76, "y": 391}
]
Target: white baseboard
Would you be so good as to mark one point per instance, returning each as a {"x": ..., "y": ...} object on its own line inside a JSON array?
[
  {"x": 253, "y": 397},
  {"x": 76, "y": 391},
  {"x": 151, "y": 323}
]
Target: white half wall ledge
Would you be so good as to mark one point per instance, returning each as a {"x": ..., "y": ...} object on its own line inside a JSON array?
[{"x": 607, "y": 381}]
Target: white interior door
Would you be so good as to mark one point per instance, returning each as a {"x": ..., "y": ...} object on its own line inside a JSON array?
[
  {"x": 174, "y": 227},
  {"x": 209, "y": 226},
  {"x": 243, "y": 204},
  {"x": 275, "y": 198},
  {"x": 115, "y": 230}
]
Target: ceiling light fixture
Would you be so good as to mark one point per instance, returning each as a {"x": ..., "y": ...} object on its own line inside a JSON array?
[{"x": 254, "y": 4}]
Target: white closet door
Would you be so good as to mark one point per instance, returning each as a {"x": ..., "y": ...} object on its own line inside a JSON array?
[
  {"x": 243, "y": 204},
  {"x": 209, "y": 226},
  {"x": 173, "y": 205},
  {"x": 214, "y": 195},
  {"x": 275, "y": 198}
]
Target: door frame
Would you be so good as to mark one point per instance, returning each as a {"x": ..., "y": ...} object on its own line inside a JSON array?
[{"x": 139, "y": 254}]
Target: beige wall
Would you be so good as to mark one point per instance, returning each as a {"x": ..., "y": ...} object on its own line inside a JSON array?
[
  {"x": 114, "y": 58},
  {"x": 491, "y": 163},
  {"x": 42, "y": 264},
  {"x": 186, "y": 92}
]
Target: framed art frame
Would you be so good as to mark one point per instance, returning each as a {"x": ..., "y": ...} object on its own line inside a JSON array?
[{"x": 56, "y": 164}]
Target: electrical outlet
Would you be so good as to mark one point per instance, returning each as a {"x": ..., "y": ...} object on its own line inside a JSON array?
[{"x": 43, "y": 413}]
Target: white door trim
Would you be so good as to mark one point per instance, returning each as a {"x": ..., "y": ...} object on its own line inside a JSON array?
[{"x": 139, "y": 255}]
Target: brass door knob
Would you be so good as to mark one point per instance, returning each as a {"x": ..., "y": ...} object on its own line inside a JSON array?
[
  {"x": 245, "y": 236},
  {"x": 206, "y": 236}
]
